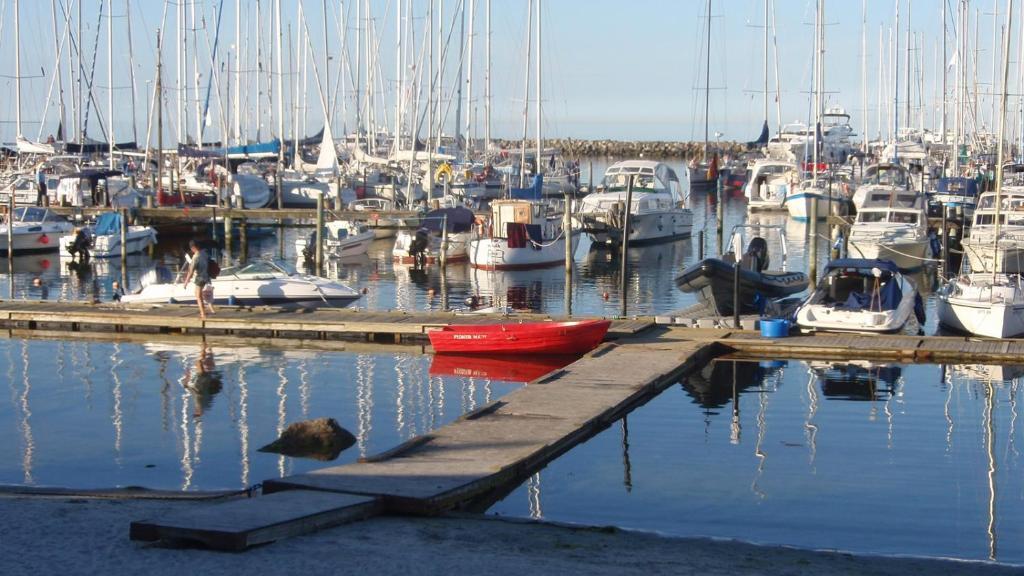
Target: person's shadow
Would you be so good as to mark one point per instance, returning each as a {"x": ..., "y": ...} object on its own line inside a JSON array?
[{"x": 206, "y": 383}]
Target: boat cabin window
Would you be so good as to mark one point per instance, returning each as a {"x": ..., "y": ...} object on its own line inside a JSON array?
[
  {"x": 887, "y": 177},
  {"x": 866, "y": 216},
  {"x": 903, "y": 218},
  {"x": 988, "y": 219}
]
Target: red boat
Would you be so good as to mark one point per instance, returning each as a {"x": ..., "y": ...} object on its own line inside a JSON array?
[
  {"x": 520, "y": 338},
  {"x": 505, "y": 368}
]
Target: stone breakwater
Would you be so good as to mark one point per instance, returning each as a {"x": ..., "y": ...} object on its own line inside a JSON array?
[{"x": 572, "y": 148}]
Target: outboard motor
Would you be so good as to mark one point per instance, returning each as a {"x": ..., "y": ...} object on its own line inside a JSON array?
[
  {"x": 309, "y": 252},
  {"x": 418, "y": 247},
  {"x": 81, "y": 244},
  {"x": 756, "y": 256}
]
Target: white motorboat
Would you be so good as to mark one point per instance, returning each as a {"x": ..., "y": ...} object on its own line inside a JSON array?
[
  {"x": 1004, "y": 254},
  {"x": 270, "y": 283},
  {"x": 342, "y": 238},
  {"x": 984, "y": 304},
  {"x": 33, "y": 229},
  {"x": 855, "y": 295},
  {"x": 522, "y": 236},
  {"x": 448, "y": 229},
  {"x": 790, "y": 143},
  {"x": 892, "y": 225},
  {"x": 831, "y": 200},
  {"x": 881, "y": 178},
  {"x": 105, "y": 237},
  {"x": 377, "y": 209},
  {"x": 657, "y": 212},
  {"x": 768, "y": 183}
]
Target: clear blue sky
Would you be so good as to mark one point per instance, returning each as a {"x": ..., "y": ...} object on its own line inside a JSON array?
[{"x": 622, "y": 69}]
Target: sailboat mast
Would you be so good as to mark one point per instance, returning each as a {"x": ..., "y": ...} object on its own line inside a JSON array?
[
  {"x": 526, "y": 94},
  {"x": 896, "y": 89},
  {"x": 942, "y": 62},
  {"x": 766, "y": 61},
  {"x": 487, "y": 81},
  {"x": 279, "y": 93},
  {"x": 159, "y": 112},
  {"x": 237, "y": 102},
  {"x": 999, "y": 134},
  {"x": 17, "y": 68},
  {"x": 707, "y": 79},
  {"x": 259, "y": 72},
  {"x": 59, "y": 51},
  {"x": 110, "y": 85},
  {"x": 864, "y": 73},
  {"x": 131, "y": 68},
  {"x": 469, "y": 76},
  {"x": 817, "y": 91},
  {"x": 537, "y": 104}
]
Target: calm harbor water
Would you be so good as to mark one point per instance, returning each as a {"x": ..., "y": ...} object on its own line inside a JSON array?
[
  {"x": 882, "y": 459},
  {"x": 898, "y": 459}
]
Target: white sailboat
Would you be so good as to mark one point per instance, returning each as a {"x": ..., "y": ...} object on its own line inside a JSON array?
[{"x": 990, "y": 301}]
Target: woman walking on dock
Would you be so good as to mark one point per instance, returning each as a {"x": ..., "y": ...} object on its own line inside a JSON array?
[{"x": 199, "y": 271}]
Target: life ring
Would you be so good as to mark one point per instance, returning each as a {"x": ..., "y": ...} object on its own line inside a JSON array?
[{"x": 445, "y": 171}]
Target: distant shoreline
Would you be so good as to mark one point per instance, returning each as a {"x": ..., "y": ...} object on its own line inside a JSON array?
[{"x": 655, "y": 149}]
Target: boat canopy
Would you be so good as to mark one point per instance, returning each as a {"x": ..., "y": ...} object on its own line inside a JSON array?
[
  {"x": 457, "y": 219},
  {"x": 958, "y": 186},
  {"x": 107, "y": 223},
  {"x": 886, "y": 296},
  {"x": 886, "y": 175},
  {"x": 534, "y": 192}
]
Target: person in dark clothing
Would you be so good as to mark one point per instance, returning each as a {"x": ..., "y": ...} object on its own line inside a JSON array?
[
  {"x": 199, "y": 271},
  {"x": 41, "y": 199}
]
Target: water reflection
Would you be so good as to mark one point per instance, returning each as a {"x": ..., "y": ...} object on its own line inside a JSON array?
[
  {"x": 184, "y": 414},
  {"x": 505, "y": 368},
  {"x": 807, "y": 455}
]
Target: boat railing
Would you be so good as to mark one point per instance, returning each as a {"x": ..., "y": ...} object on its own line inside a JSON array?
[{"x": 735, "y": 235}]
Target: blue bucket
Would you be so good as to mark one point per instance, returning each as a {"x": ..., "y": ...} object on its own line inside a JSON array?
[{"x": 774, "y": 327}]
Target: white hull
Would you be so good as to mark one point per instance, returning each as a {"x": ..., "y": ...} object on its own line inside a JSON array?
[
  {"x": 907, "y": 255},
  {"x": 139, "y": 238},
  {"x": 34, "y": 238},
  {"x": 457, "y": 249},
  {"x": 973, "y": 305},
  {"x": 799, "y": 206},
  {"x": 649, "y": 228},
  {"x": 349, "y": 246},
  {"x": 494, "y": 254}
]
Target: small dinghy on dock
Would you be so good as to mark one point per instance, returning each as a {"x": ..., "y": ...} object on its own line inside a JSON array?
[{"x": 520, "y": 338}]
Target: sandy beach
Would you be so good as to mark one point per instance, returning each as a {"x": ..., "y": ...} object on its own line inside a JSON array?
[{"x": 69, "y": 535}]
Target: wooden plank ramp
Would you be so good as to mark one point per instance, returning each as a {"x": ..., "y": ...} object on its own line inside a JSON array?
[{"x": 463, "y": 465}]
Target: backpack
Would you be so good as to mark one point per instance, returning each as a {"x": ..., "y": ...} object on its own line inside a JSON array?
[{"x": 212, "y": 269}]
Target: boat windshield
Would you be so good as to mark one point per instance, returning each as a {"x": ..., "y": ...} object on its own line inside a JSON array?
[
  {"x": 617, "y": 178},
  {"x": 34, "y": 214},
  {"x": 1010, "y": 203},
  {"x": 894, "y": 217},
  {"x": 887, "y": 176},
  {"x": 261, "y": 269}
]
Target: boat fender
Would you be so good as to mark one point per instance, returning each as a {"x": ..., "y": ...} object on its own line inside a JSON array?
[
  {"x": 172, "y": 301},
  {"x": 232, "y": 301}
]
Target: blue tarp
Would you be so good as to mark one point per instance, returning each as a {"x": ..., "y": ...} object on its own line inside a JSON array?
[
  {"x": 534, "y": 192},
  {"x": 961, "y": 186},
  {"x": 457, "y": 219},
  {"x": 887, "y": 297},
  {"x": 107, "y": 223}
]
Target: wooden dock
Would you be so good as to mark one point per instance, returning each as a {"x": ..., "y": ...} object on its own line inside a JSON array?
[
  {"x": 257, "y": 321},
  {"x": 466, "y": 465}
]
